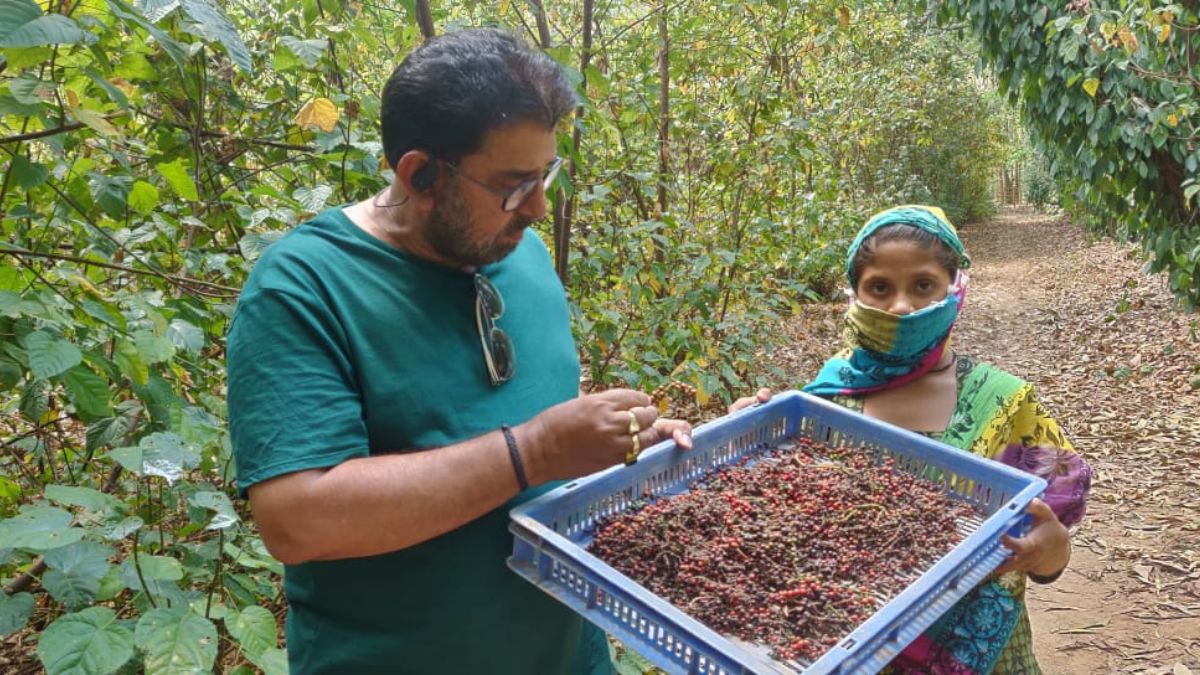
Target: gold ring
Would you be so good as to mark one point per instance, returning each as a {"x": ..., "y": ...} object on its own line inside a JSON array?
[
  {"x": 634, "y": 427},
  {"x": 632, "y": 455}
]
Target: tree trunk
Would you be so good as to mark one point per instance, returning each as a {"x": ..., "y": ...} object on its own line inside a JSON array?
[
  {"x": 543, "y": 25},
  {"x": 566, "y": 206},
  {"x": 664, "y": 109},
  {"x": 425, "y": 18}
]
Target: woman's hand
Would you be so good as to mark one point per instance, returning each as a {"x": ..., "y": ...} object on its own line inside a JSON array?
[
  {"x": 1043, "y": 552},
  {"x": 762, "y": 396}
]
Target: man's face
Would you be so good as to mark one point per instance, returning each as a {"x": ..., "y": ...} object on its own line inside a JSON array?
[{"x": 467, "y": 226}]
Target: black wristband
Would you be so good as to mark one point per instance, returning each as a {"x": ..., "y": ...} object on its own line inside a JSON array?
[{"x": 515, "y": 456}]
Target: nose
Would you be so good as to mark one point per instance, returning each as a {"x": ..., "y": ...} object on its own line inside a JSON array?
[
  {"x": 901, "y": 305},
  {"x": 534, "y": 206}
]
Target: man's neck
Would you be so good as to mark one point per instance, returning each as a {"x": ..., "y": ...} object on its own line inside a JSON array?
[{"x": 390, "y": 219}]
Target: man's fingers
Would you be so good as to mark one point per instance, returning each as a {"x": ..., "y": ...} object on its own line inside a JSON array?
[
  {"x": 763, "y": 395},
  {"x": 624, "y": 398}
]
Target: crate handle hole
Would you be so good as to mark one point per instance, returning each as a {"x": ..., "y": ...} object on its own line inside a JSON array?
[{"x": 849, "y": 643}]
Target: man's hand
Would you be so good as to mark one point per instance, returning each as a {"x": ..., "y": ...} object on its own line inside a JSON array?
[
  {"x": 1045, "y": 551},
  {"x": 591, "y": 433},
  {"x": 762, "y": 396}
]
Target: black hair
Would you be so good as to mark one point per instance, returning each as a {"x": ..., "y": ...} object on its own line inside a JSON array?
[
  {"x": 455, "y": 88},
  {"x": 902, "y": 232}
]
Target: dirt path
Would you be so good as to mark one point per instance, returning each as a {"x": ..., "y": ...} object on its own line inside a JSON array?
[{"x": 1112, "y": 359}]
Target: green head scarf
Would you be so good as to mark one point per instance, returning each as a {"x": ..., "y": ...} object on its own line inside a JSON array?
[{"x": 929, "y": 218}]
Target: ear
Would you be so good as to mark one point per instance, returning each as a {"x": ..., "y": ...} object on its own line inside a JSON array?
[{"x": 416, "y": 172}]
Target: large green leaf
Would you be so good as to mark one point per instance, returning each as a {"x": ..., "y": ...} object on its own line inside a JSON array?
[
  {"x": 166, "y": 455},
  {"x": 89, "y": 642},
  {"x": 313, "y": 199},
  {"x": 50, "y": 355},
  {"x": 156, "y": 10},
  {"x": 179, "y": 179},
  {"x": 213, "y": 24},
  {"x": 185, "y": 336},
  {"x": 39, "y": 528},
  {"x": 130, "y": 16},
  {"x": 176, "y": 641},
  {"x": 253, "y": 244},
  {"x": 272, "y": 661},
  {"x": 11, "y": 373},
  {"x": 218, "y": 502},
  {"x": 153, "y": 348},
  {"x": 111, "y": 192},
  {"x": 28, "y": 174},
  {"x": 254, "y": 629},
  {"x": 88, "y": 498},
  {"x": 309, "y": 51},
  {"x": 89, "y": 392},
  {"x": 143, "y": 197},
  {"x": 75, "y": 572},
  {"x": 105, "y": 431},
  {"x": 15, "y": 611},
  {"x": 22, "y": 24}
]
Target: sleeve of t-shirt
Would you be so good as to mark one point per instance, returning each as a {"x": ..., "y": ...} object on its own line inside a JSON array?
[{"x": 293, "y": 402}]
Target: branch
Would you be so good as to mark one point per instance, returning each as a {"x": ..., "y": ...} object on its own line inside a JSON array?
[
  {"x": 61, "y": 129},
  {"x": 208, "y": 133},
  {"x": 19, "y": 252}
]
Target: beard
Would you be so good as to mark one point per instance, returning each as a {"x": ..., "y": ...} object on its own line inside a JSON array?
[{"x": 451, "y": 232}]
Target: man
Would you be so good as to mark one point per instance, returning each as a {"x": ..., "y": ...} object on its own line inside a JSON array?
[{"x": 379, "y": 354}]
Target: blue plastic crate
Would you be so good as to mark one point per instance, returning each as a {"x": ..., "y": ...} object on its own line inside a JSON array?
[{"x": 552, "y": 532}]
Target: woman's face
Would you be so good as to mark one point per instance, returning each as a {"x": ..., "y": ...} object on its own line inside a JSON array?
[{"x": 902, "y": 277}]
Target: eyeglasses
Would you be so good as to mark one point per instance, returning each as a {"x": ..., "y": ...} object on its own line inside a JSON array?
[
  {"x": 498, "y": 352},
  {"x": 513, "y": 198}
]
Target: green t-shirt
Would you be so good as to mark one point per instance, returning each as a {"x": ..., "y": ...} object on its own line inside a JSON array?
[{"x": 343, "y": 347}]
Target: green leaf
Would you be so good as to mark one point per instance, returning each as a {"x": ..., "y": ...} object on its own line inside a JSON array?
[
  {"x": 87, "y": 498},
  {"x": 11, "y": 373},
  {"x": 15, "y": 611},
  {"x": 213, "y": 24},
  {"x": 130, "y": 16},
  {"x": 179, "y": 179},
  {"x": 185, "y": 336},
  {"x": 253, "y": 244},
  {"x": 123, "y": 528},
  {"x": 308, "y": 51},
  {"x": 40, "y": 528},
  {"x": 157, "y": 10},
  {"x": 22, "y": 24},
  {"x": 165, "y": 454},
  {"x": 75, "y": 572},
  {"x": 272, "y": 661},
  {"x": 129, "y": 457},
  {"x": 131, "y": 364},
  {"x": 11, "y": 106},
  {"x": 158, "y": 567},
  {"x": 34, "y": 400},
  {"x": 89, "y": 391},
  {"x": 111, "y": 193},
  {"x": 313, "y": 199},
  {"x": 143, "y": 197},
  {"x": 254, "y": 629},
  {"x": 153, "y": 348},
  {"x": 89, "y": 642},
  {"x": 218, "y": 502},
  {"x": 176, "y": 641},
  {"x": 106, "y": 431},
  {"x": 50, "y": 355},
  {"x": 27, "y": 174}
]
